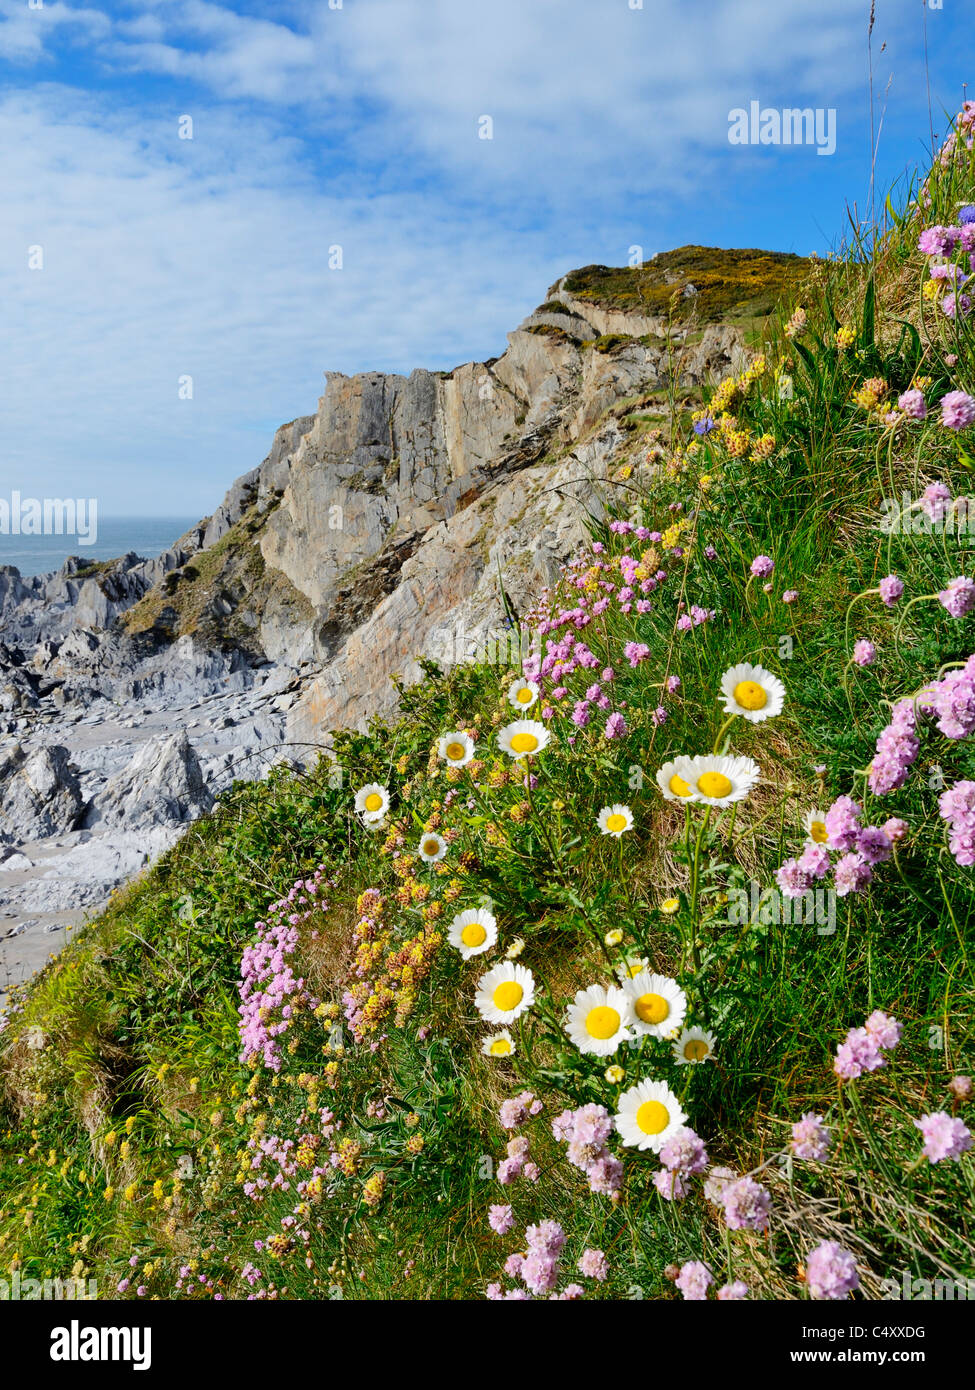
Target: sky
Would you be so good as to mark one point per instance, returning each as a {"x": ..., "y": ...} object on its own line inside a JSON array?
[{"x": 205, "y": 206}]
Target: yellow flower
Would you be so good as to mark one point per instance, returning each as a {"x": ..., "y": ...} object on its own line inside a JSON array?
[
  {"x": 669, "y": 906},
  {"x": 845, "y": 337},
  {"x": 614, "y": 937},
  {"x": 614, "y": 1074}
]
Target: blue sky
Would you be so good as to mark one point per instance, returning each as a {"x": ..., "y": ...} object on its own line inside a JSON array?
[{"x": 320, "y": 123}]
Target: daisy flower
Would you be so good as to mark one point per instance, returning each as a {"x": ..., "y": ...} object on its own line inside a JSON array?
[
  {"x": 523, "y": 738},
  {"x": 672, "y": 779},
  {"x": 500, "y": 1044},
  {"x": 648, "y": 1115},
  {"x": 632, "y": 966},
  {"x": 752, "y": 692},
  {"x": 595, "y": 1020},
  {"x": 457, "y": 749},
  {"x": 615, "y": 819},
  {"x": 504, "y": 993},
  {"x": 655, "y": 1004},
  {"x": 372, "y": 801},
  {"x": 669, "y": 906},
  {"x": 718, "y": 781},
  {"x": 473, "y": 932},
  {"x": 522, "y": 694},
  {"x": 432, "y": 848},
  {"x": 814, "y": 824},
  {"x": 694, "y": 1045}
]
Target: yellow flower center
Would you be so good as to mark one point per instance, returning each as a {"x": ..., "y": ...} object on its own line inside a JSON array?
[
  {"x": 714, "y": 784},
  {"x": 501, "y": 1047},
  {"x": 750, "y": 695},
  {"x": 818, "y": 832},
  {"x": 374, "y": 802},
  {"x": 524, "y": 696},
  {"x": 652, "y": 1008},
  {"x": 652, "y": 1117},
  {"x": 456, "y": 751},
  {"x": 473, "y": 934},
  {"x": 670, "y": 906},
  {"x": 524, "y": 743},
  {"x": 678, "y": 786},
  {"x": 696, "y": 1050},
  {"x": 616, "y": 823},
  {"x": 602, "y": 1022},
  {"x": 431, "y": 847},
  {"x": 508, "y": 996}
]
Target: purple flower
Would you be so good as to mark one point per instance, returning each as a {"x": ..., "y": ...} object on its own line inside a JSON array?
[
  {"x": 746, "y": 1205},
  {"x": 615, "y": 727},
  {"x": 793, "y": 879},
  {"x": 959, "y": 597},
  {"x": 874, "y": 844},
  {"x": 684, "y": 1152},
  {"x": 936, "y": 241},
  {"x": 694, "y": 1280},
  {"x": 762, "y": 566},
  {"x": 895, "y": 829},
  {"x": 858, "y": 1053},
  {"x": 501, "y": 1219},
  {"x": 810, "y": 1138},
  {"x": 851, "y": 874},
  {"x": 831, "y": 1271},
  {"x": 957, "y": 410},
  {"x": 842, "y": 822},
  {"x": 594, "y": 1265},
  {"x": 864, "y": 653},
  {"x": 789, "y": 596},
  {"x": 934, "y": 501},
  {"x": 672, "y": 1186},
  {"x": 733, "y": 1292},
  {"x": 944, "y": 1137},
  {"x": 891, "y": 589},
  {"x": 885, "y": 1031},
  {"x": 814, "y": 861},
  {"x": 913, "y": 404}
]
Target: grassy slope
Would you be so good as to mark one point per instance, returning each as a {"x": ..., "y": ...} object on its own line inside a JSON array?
[{"x": 130, "y": 1036}]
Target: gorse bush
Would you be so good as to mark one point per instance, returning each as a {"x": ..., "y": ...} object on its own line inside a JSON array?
[{"x": 641, "y": 971}]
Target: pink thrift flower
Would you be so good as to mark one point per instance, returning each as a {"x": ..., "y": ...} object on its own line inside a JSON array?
[
  {"x": 694, "y": 1281},
  {"x": 957, "y": 410},
  {"x": 594, "y": 1265},
  {"x": 831, "y": 1271},
  {"x": 864, "y": 653},
  {"x": 810, "y": 1138},
  {"x": 944, "y": 1137},
  {"x": 891, "y": 589},
  {"x": 501, "y": 1219},
  {"x": 762, "y": 566}
]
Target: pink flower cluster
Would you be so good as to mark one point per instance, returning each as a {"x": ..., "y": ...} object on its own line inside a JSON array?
[
  {"x": 586, "y": 1131},
  {"x": 860, "y": 849},
  {"x": 957, "y": 807},
  {"x": 863, "y": 1049},
  {"x": 944, "y": 1137},
  {"x": 810, "y": 1138},
  {"x": 831, "y": 1271},
  {"x": 683, "y": 1156}
]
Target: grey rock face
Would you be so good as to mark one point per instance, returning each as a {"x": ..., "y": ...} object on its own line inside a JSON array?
[
  {"x": 39, "y": 793},
  {"x": 162, "y": 785}
]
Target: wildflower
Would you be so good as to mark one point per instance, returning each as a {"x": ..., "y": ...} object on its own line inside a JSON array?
[
  {"x": 372, "y": 802},
  {"x": 648, "y": 1114},
  {"x": 891, "y": 588},
  {"x": 959, "y": 597},
  {"x": 717, "y": 1180},
  {"x": 504, "y": 993},
  {"x": 498, "y": 1044},
  {"x": 864, "y": 653},
  {"x": 746, "y": 1205},
  {"x": 845, "y": 337},
  {"x": 653, "y": 1004},
  {"x": 515, "y": 949},
  {"x": 473, "y": 932},
  {"x": 831, "y": 1271},
  {"x": 788, "y": 596},
  {"x": 432, "y": 848},
  {"x": 762, "y": 566},
  {"x": 457, "y": 749},
  {"x": 961, "y": 1087},
  {"x": 733, "y": 1292},
  {"x": 860, "y": 1052},
  {"x": 810, "y": 1138},
  {"x": 752, "y": 692},
  {"x": 913, "y": 405},
  {"x": 523, "y": 738},
  {"x": 842, "y": 822},
  {"x": 616, "y": 727},
  {"x": 594, "y": 1265},
  {"x": 694, "y": 1045},
  {"x": 684, "y": 1152},
  {"x": 672, "y": 781},
  {"x": 614, "y": 1074},
  {"x": 944, "y": 1137},
  {"x": 694, "y": 1280},
  {"x": 719, "y": 781},
  {"x": 522, "y": 694},
  {"x": 814, "y": 824},
  {"x": 615, "y": 820},
  {"x": 595, "y": 1021},
  {"x": 671, "y": 1185},
  {"x": 957, "y": 410},
  {"x": 501, "y": 1219},
  {"x": 934, "y": 501},
  {"x": 669, "y": 906},
  {"x": 874, "y": 845}
]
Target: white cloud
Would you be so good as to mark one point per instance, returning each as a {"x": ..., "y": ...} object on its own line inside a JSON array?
[{"x": 25, "y": 32}]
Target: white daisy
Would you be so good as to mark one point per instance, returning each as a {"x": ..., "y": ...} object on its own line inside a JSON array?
[
  {"x": 595, "y": 1020},
  {"x": 694, "y": 1045},
  {"x": 672, "y": 780},
  {"x": 473, "y": 932},
  {"x": 655, "y": 1004},
  {"x": 457, "y": 749},
  {"x": 648, "y": 1114},
  {"x": 718, "y": 781},
  {"x": 615, "y": 819},
  {"x": 752, "y": 692},
  {"x": 500, "y": 1044},
  {"x": 372, "y": 801},
  {"x": 432, "y": 848},
  {"x": 522, "y": 694},
  {"x": 504, "y": 993},
  {"x": 814, "y": 824},
  {"x": 632, "y": 967},
  {"x": 522, "y": 738}
]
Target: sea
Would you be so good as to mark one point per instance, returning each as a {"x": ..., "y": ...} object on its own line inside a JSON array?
[{"x": 148, "y": 536}]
